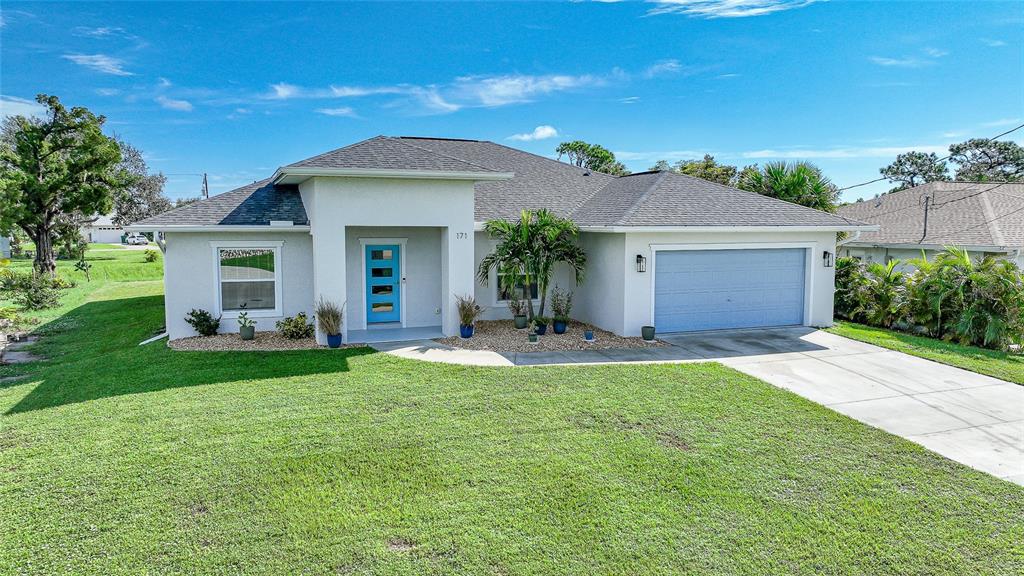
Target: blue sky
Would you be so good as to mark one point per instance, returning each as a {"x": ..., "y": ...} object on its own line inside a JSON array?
[{"x": 236, "y": 90}]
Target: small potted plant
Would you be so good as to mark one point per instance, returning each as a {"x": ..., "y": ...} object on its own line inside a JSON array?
[
  {"x": 329, "y": 317},
  {"x": 540, "y": 325},
  {"x": 246, "y": 326},
  {"x": 469, "y": 311},
  {"x": 588, "y": 335},
  {"x": 518, "y": 309},
  {"x": 561, "y": 305},
  {"x": 648, "y": 333}
]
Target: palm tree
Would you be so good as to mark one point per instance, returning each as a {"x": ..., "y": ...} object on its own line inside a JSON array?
[
  {"x": 801, "y": 183},
  {"x": 527, "y": 252}
]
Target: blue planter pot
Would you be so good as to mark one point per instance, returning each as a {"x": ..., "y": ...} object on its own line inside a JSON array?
[
  {"x": 334, "y": 340},
  {"x": 560, "y": 327},
  {"x": 541, "y": 329},
  {"x": 466, "y": 331}
]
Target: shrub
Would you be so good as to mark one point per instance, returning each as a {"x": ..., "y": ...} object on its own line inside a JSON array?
[
  {"x": 33, "y": 291},
  {"x": 468, "y": 309},
  {"x": 516, "y": 305},
  {"x": 329, "y": 316},
  {"x": 11, "y": 321},
  {"x": 150, "y": 255},
  {"x": 561, "y": 304},
  {"x": 203, "y": 322},
  {"x": 295, "y": 327}
]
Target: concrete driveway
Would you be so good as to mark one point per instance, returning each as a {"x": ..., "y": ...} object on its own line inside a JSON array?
[{"x": 967, "y": 417}]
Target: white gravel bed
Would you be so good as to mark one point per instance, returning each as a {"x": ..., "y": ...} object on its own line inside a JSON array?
[
  {"x": 502, "y": 336},
  {"x": 264, "y": 341}
]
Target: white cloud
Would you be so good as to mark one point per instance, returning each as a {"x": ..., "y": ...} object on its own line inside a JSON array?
[
  {"x": 432, "y": 102},
  {"x": 629, "y": 100},
  {"x": 108, "y": 91},
  {"x": 539, "y": 133},
  {"x": 172, "y": 104},
  {"x": 907, "y": 62},
  {"x": 935, "y": 52},
  {"x": 14, "y": 106},
  {"x": 163, "y": 82},
  {"x": 283, "y": 91},
  {"x": 100, "y": 32},
  {"x": 848, "y": 152},
  {"x": 1002, "y": 122},
  {"x": 725, "y": 8},
  {"x": 340, "y": 111},
  {"x": 662, "y": 68},
  {"x": 358, "y": 91},
  {"x": 100, "y": 63},
  {"x": 993, "y": 43},
  {"x": 726, "y": 76},
  {"x": 489, "y": 91}
]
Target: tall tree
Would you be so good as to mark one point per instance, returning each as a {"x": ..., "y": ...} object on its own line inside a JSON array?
[
  {"x": 592, "y": 156},
  {"x": 55, "y": 173},
  {"x": 144, "y": 197},
  {"x": 800, "y": 183},
  {"x": 983, "y": 160},
  {"x": 707, "y": 168},
  {"x": 915, "y": 168}
]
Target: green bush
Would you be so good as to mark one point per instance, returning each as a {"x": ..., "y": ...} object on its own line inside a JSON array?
[
  {"x": 203, "y": 322},
  {"x": 150, "y": 255},
  {"x": 952, "y": 297},
  {"x": 32, "y": 291},
  {"x": 295, "y": 327}
]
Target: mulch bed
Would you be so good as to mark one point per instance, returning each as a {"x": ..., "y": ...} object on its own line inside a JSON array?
[
  {"x": 502, "y": 336},
  {"x": 264, "y": 341}
]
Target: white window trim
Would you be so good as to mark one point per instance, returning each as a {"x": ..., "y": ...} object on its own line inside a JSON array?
[
  {"x": 497, "y": 290},
  {"x": 275, "y": 245},
  {"x": 809, "y": 265},
  {"x": 402, "y": 254}
]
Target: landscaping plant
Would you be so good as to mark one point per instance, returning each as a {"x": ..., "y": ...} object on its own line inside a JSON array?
[
  {"x": 329, "y": 316},
  {"x": 150, "y": 255},
  {"x": 951, "y": 297},
  {"x": 203, "y": 322},
  {"x": 295, "y": 327},
  {"x": 246, "y": 326},
  {"x": 561, "y": 306},
  {"x": 517, "y": 307}
]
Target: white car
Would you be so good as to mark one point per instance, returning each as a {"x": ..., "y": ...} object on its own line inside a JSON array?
[{"x": 136, "y": 240}]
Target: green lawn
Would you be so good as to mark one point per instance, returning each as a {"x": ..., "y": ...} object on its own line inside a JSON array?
[
  {"x": 1009, "y": 367},
  {"x": 99, "y": 246},
  {"x": 119, "y": 459}
]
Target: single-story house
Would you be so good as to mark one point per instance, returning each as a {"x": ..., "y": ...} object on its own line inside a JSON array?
[
  {"x": 986, "y": 218},
  {"x": 392, "y": 227},
  {"x": 101, "y": 229}
]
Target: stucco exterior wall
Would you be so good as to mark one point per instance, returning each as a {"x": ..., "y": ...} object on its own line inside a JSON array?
[
  {"x": 190, "y": 277},
  {"x": 600, "y": 299},
  {"x": 421, "y": 263},
  {"x": 102, "y": 234},
  {"x": 335, "y": 203},
  {"x": 487, "y": 294},
  {"x": 882, "y": 255}
]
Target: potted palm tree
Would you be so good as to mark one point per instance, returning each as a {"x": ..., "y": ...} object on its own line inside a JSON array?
[
  {"x": 561, "y": 305},
  {"x": 518, "y": 309},
  {"x": 469, "y": 311},
  {"x": 329, "y": 317},
  {"x": 246, "y": 326}
]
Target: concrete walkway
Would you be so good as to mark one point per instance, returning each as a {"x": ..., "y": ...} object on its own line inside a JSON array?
[{"x": 964, "y": 416}]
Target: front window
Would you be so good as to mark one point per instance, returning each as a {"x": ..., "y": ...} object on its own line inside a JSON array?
[
  {"x": 504, "y": 294},
  {"x": 248, "y": 279}
]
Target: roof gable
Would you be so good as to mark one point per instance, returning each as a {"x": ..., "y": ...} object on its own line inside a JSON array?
[
  {"x": 257, "y": 204},
  {"x": 385, "y": 153}
]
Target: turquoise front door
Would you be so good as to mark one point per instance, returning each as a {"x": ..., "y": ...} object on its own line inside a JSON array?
[{"x": 383, "y": 283}]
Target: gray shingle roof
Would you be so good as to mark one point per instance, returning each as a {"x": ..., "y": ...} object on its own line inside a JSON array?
[
  {"x": 590, "y": 198},
  {"x": 960, "y": 213},
  {"x": 671, "y": 199},
  {"x": 385, "y": 153},
  {"x": 253, "y": 205}
]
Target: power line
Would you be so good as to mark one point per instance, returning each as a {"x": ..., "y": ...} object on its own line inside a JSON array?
[
  {"x": 947, "y": 157},
  {"x": 985, "y": 223}
]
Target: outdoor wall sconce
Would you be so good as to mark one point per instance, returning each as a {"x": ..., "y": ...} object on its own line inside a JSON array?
[
  {"x": 829, "y": 259},
  {"x": 641, "y": 263}
]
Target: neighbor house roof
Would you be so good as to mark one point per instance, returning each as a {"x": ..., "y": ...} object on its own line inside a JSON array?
[
  {"x": 590, "y": 198},
  {"x": 256, "y": 204},
  {"x": 959, "y": 213}
]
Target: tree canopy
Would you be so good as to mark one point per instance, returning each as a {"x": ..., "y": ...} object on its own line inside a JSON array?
[
  {"x": 975, "y": 160},
  {"x": 55, "y": 173},
  {"x": 707, "y": 168},
  {"x": 144, "y": 197},
  {"x": 592, "y": 156},
  {"x": 799, "y": 182}
]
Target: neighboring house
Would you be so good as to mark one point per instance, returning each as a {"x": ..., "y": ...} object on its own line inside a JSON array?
[
  {"x": 986, "y": 218},
  {"x": 101, "y": 229},
  {"x": 5, "y": 247},
  {"x": 392, "y": 227}
]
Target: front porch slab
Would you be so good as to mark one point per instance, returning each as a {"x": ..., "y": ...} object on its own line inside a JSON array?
[{"x": 397, "y": 334}]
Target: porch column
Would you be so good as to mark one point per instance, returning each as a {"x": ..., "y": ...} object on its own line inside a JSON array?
[
  {"x": 329, "y": 273},
  {"x": 457, "y": 274}
]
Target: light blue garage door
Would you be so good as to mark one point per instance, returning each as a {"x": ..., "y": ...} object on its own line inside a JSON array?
[{"x": 719, "y": 289}]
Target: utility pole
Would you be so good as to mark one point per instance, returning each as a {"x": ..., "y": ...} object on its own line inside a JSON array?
[
  {"x": 206, "y": 190},
  {"x": 927, "y": 200}
]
